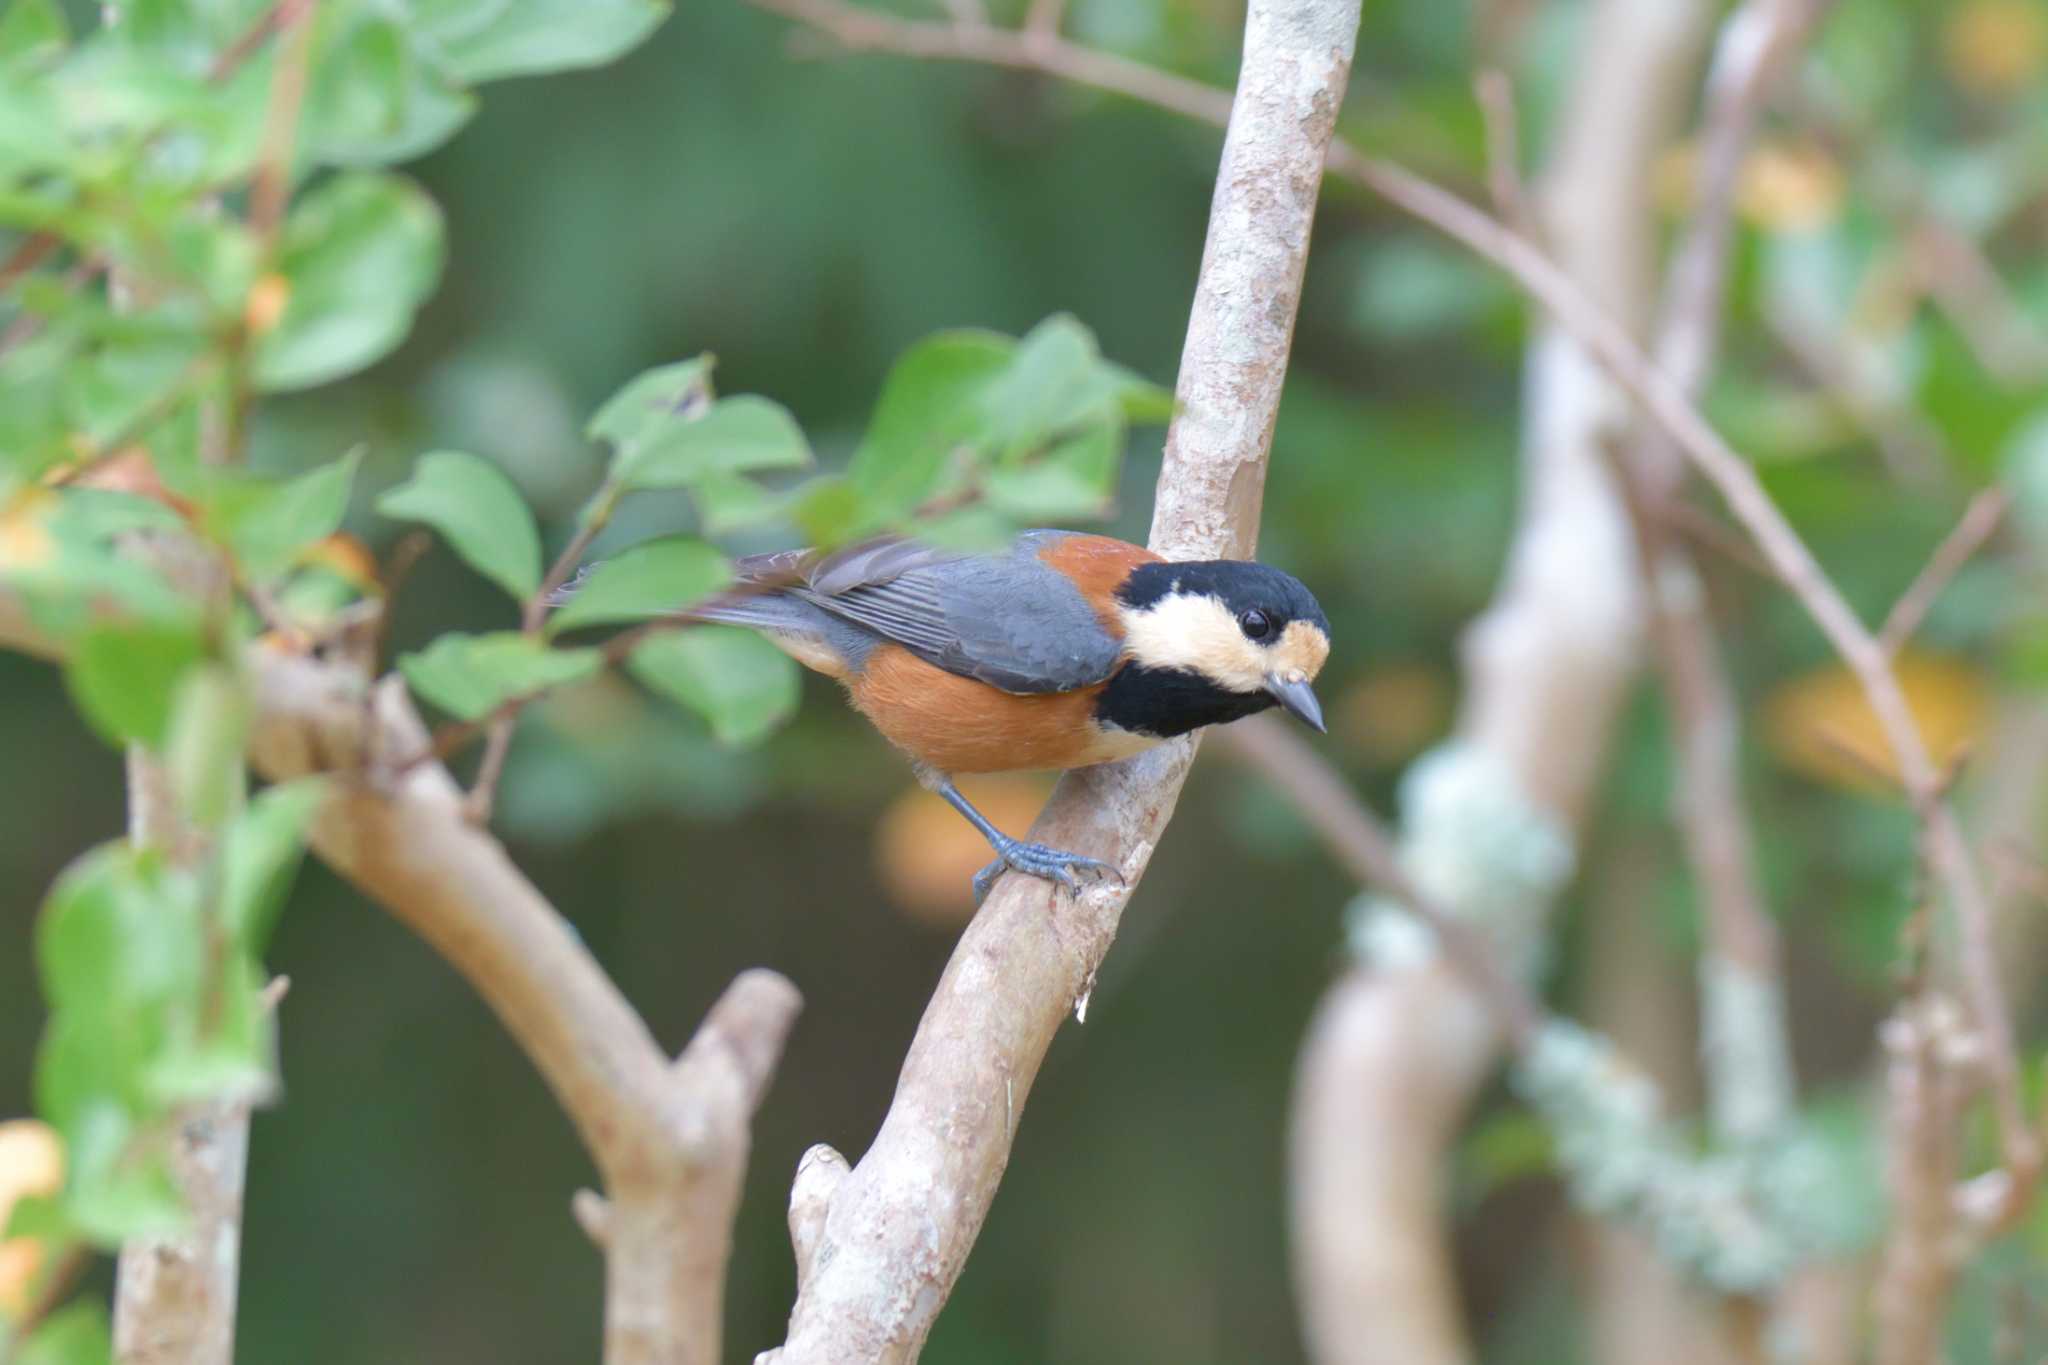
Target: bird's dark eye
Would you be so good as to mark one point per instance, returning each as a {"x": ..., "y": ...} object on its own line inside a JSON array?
[{"x": 1255, "y": 624}]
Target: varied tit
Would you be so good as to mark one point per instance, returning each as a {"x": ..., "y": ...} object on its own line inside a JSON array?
[{"x": 1065, "y": 650}]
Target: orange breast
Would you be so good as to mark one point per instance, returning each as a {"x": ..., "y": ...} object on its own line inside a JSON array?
[{"x": 958, "y": 725}]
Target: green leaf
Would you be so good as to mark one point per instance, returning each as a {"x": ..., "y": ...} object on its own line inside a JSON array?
[
  {"x": 646, "y": 581},
  {"x": 928, "y": 408},
  {"x": 124, "y": 678},
  {"x": 639, "y": 415},
  {"x": 831, "y": 511},
  {"x": 109, "y": 388},
  {"x": 470, "y": 676},
  {"x": 113, "y": 1192},
  {"x": 361, "y": 252},
  {"x": 75, "y": 1334},
  {"x": 232, "y": 1059},
  {"x": 376, "y": 98},
  {"x": 1049, "y": 383},
  {"x": 101, "y": 513},
  {"x": 1046, "y": 491},
  {"x": 260, "y": 856},
  {"x": 528, "y": 37},
  {"x": 478, "y": 511},
  {"x": 36, "y": 1215},
  {"x": 206, "y": 745},
  {"x": 742, "y": 685},
  {"x": 32, "y": 31},
  {"x": 733, "y": 502},
  {"x": 120, "y": 927},
  {"x": 734, "y": 436},
  {"x": 267, "y": 523}
]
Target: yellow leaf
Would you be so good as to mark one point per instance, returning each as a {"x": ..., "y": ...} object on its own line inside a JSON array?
[
  {"x": 1995, "y": 47},
  {"x": 1790, "y": 188},
  {"x": 1393, "y": 712},
  {"x": 928, "y": 855},
  {"x": 25, "y": 540},
  {"x": 348, "y": 559},
  {"x": 1783, "y": 187},
  {"x": 1821, "y": 726},
  {"x": 266, "y": 303},
  {"x": 31, "y": 1164}
]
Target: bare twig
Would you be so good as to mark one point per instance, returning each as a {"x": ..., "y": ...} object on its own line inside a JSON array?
[
  {"x": 483, "y": 793},
  {"x": 1912, "y": 449},
  {"x": 28, "y": 253},
  {"x": 1503, "y": 148},
  {"x": 499, "y": 725},
  {"x": 250, "y": 41},
  {"x": 1999, "y": 332},
  {"x": 1743, "y": 1034},
  {"x": 1979, "y": 520},
  {"x": 866, "y": 30},
  {"x": 878, "y": 1262},
  {"x": 272, "y": 185},
  {"x": 26, "y": 327},
  {"x": 1322, "y": 797}
]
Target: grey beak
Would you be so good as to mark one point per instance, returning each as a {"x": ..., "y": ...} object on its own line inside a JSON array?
[{"x": 1299, "y": 699}]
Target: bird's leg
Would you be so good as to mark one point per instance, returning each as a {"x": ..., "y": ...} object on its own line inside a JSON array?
[{"x": 1036, "y": 860}]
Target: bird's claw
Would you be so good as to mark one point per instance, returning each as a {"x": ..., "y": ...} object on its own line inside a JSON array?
[{"x": 1037, "y": 860}]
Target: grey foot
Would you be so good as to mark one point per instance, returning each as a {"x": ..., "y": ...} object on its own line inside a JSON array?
[{"x": 1036, "y": 860}]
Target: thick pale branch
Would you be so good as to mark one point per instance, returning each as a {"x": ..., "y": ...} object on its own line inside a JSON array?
[
  {"x": 896, "y": 1230},
  {"x": 174, "y": 1297},
  {"x": 670, "y": 1138},
  {"x": 404, "y": 841}
]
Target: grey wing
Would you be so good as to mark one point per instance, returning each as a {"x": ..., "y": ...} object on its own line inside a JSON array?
[{"x": 1007, "y": 620}]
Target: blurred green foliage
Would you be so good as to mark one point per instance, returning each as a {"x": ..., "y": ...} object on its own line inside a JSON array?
[{"x": 860, "y": 241}]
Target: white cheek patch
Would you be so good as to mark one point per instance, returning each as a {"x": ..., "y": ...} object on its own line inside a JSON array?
[{"x": 1197, "y": 634}]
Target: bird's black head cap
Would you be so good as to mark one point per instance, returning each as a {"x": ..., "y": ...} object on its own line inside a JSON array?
[{"x": 1242, "y": 585}]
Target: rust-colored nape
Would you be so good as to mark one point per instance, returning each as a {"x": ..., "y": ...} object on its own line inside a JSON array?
[{"x": 1098, "y": 566}]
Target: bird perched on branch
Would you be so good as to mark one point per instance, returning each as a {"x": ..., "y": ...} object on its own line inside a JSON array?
[{"x": 1064, "y": 651}]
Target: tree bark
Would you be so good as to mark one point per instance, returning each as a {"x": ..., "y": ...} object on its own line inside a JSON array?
[{"x": 877, "y": 1263}]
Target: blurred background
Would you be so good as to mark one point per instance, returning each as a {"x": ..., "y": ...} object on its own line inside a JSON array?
[{"x": 807, "y": 220}]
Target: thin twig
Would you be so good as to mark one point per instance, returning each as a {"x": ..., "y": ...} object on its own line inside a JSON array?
[
  {"x": 25, "y": 328},
  {"x": 1911, "y": 447},
  {"x": 272, "y": 185},
  {"x": 1043, "y": 19},
  {"x": 1966, "y": 286},
  {"x": 1743, "y": 1034},
  {"x": 1979, "y": 520},
  {"x": 1321, "y": 796},
  {"x": 250, "y": 41},
  {"x": 483, "y": 793},
  {"x": 29, "y": 253}
]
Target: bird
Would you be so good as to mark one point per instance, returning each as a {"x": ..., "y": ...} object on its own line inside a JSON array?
[{"x": 1063, "y": 650}]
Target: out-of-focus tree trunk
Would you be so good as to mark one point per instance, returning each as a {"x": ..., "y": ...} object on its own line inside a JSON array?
[{"x": 1397, "y": 1052}]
